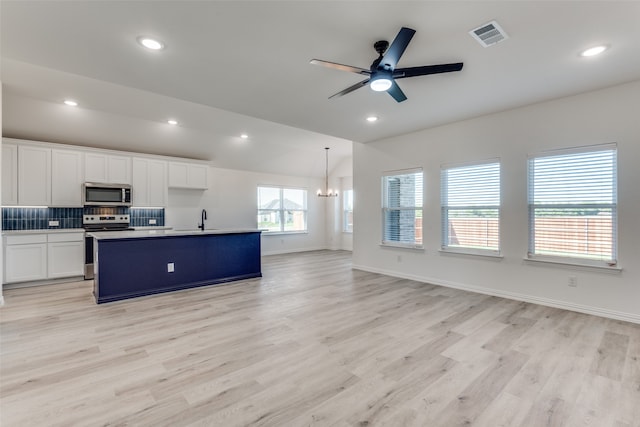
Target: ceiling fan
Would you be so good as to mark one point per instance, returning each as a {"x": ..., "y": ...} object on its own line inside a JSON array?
[{"x": 383, "y": 72}]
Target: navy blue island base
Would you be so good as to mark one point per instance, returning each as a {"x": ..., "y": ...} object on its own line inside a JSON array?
[{"x": 138, "y": 263}]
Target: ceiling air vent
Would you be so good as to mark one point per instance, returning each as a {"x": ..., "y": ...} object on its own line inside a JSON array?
[{"x": 489, "y": 34}]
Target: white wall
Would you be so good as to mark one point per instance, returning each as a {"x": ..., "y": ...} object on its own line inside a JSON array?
[
  {"x": 231, "y": 202},
  {"x": 340, "y": 178},
  {"x": 609, "y": 115},
  {"x": 1, "y": 246}
]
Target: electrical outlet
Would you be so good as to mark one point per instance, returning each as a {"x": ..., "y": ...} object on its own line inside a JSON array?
[
  {"x": 171, "y": 267},
  {"x": 152, "y": 222},
  {"x": 573, "y": 281},
  {"x": 54, "y": 223}
]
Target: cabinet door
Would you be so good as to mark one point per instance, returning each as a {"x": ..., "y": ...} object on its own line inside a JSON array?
[
  {"x": 25, "y": 262},
  {"x": 34, "y": 175},
  {"x": 9, "y": 174},
  {"x": 140, "y": 178},
  {"x": 178, "y": 174},
  {"x": 157, "y": 189},
  {"x": 95, "y": 167},
  {"x": 104, "y": 168},
  {"x": 198, "y": 177},
  {"x": 66, "y": 178},
  {"x": 65, "y": 259},
  {"x": 188, "y": 175},
  {"x": 119, "y": 169}
]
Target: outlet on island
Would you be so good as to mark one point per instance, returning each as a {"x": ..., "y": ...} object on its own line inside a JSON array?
[{"x": 171, "y": 267}]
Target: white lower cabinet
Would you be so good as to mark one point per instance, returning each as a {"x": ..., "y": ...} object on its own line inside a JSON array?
[
  {"x": 25, "y": 258},
  {"x": 33, "y": 257},
  {"x": 65, "y": 255}
]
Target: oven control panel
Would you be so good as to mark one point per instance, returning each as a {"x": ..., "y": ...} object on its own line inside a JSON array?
[{"x": 106, "y": 219}]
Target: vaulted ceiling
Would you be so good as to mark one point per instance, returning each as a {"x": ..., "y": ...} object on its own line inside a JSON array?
[{"x": 232, "y": 67}]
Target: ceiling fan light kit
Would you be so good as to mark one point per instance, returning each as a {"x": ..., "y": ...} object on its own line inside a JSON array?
[
  {"x": 382, "y": 74},
  {"x": 380, "y": 83}
]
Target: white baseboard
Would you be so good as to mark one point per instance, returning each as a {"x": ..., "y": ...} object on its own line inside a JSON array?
[
  {"x": 596, "y": 311},
  {"x": 291, "y": 251}
]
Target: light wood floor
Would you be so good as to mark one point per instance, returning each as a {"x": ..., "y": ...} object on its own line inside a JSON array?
[{"x": 311, "y": 343}]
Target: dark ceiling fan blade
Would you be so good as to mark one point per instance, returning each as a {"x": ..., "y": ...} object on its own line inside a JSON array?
[
  {"x": 340, "y": 67},
  {"x": 395, "y": 51},
  {"x": 396, "y": 92},
  {"x": 351, "y": 88},
  {"x": 400, "y": 73}
]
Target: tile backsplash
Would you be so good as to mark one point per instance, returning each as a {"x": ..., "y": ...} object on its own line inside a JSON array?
[
  {"x": 139, "y": 217},
  {"x": 17, "y": 218},
  {"x": 38, "y": 218}
]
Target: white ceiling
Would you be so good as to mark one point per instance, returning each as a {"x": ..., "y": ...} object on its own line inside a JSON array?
[{"x": 243, "y": 66}]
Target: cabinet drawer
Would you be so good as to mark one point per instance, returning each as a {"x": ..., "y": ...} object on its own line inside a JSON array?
[
  {"x": 65, "y": 237},
  {"x": 26, "y": 239}
]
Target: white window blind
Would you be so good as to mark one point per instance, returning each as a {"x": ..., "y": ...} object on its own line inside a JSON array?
[
  {"x": 282, "y": 209},
  {"x": 347, "y": 211},
  {"x": 573, "y": 205},
  {"x": 470, "y": 198},
  {"x": 402, "y": 208}
]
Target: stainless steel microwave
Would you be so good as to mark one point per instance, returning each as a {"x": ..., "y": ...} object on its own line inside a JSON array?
[{"x": 96, "y": 194}]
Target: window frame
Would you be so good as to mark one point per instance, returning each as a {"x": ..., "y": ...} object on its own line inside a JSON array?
[
  {"x": 282, "y": 210},
  {"x": 611, "y": 264},
  {"x": 416, "y": 209},
  {"x": 445, "y": 208}
]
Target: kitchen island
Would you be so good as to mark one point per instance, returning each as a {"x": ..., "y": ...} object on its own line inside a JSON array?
[{"x": 129, "y": 264}]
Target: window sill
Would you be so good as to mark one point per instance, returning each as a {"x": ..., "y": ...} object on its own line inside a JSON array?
[
  {"x": 402, "y": 246},
  {"x": 574, "y": 263},
  {"x": 471, "y": 252}
]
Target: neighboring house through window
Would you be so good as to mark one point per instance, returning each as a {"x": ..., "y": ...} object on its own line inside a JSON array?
[
  {"x": 402, "y": 194},
  {"x": 282, "y": 209}
]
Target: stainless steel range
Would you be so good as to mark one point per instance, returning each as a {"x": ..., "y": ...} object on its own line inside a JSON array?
[{"x": 97, "y": 224}]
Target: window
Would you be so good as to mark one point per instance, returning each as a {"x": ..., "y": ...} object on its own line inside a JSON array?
[
  {"x": 402, "y": 208},
  {"x": 573, "y": 205},
  {"x": 347, "y": 211},
  {"x": 471, "y": 208},
  {"x": 282, "y": 209}
]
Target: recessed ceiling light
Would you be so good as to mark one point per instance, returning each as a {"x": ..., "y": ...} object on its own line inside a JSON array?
[
  {"x": 150, "y": 43},
  {"x": 172, "y": 122},
  {"x": 593, "y": 51},
  {"x": 372, "y": 119},
  {"x": 70, "y": 103},
  {"x": 244, "y": 136}
]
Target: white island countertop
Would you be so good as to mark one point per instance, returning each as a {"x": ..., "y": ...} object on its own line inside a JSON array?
[{"x": 141, "y": 234}]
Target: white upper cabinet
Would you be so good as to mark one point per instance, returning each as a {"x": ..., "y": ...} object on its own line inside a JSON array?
[
  {"x": 188, "y": 175},
  {"x": 106, "y": 168},
  {"x": 149, "y": 182},
  {"x": 9, "y": 174},
  {"x": 66, "y": 178},
  {"x": 34, "y": 174}
]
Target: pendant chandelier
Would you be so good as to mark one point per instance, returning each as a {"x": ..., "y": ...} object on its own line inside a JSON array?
[{"x": 327, "y": 191}]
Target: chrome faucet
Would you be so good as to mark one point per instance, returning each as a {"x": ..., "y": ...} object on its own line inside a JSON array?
[{"x": 203, "y": 218}]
